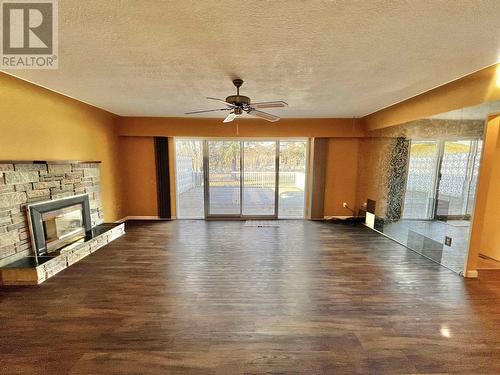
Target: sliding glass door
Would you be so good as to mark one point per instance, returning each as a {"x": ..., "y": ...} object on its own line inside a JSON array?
[
  {"x": 292, "y": 178},
  {"x": 241, "y": 178},
  {"x": 442, "y": 177},
  {"x": 421, "y": 182},
  {"x": 189, "y": 178},
  {"x": 223, "y": 174},
  {"x": 260, "y": 165},
  {"x": 455, "y": 177},
  {"x": 225, "y": 178}
]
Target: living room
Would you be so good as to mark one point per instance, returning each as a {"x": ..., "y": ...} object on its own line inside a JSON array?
[{"x": 183, "y": 189}]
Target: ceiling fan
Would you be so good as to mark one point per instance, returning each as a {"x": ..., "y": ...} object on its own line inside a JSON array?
[{"x": 239, "y": 104}]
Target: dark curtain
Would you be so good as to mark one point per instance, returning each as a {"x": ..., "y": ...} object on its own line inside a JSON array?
[{"x": 163, "y": 177}]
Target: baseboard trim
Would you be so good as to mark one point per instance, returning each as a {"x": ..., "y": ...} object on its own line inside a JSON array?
[
  {"x": 153, "y": 218},
  {"x": 471, "y": 274},
  {"x": 342, "y": 217}
]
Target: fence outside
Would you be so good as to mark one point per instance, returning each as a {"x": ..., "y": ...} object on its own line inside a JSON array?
[{"x": 188, "y": 179}]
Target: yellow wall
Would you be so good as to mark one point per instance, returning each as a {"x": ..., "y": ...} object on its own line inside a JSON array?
[
  {"x": 38, "y": 124},
  {"x": 137, "y": 158},
  {"x": 485, "y": 238},
  {"x": 341, "y": 176}
]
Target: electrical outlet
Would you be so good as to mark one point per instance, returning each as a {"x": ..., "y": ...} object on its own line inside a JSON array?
[{"x": 447, "y": 241}]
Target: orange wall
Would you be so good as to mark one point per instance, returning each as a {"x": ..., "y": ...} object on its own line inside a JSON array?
[
  {"x": 139, "y": 176},
  {"x": 136, "y": 134},
  {"x": 341, "y": 176},
  {"x": 490, "y": 240},
  {"x": 485, "y": 237},
  {"x": 479, "y": 87},
  {"x": 247, "y": 128},
  {"x": 38, "y": 124}
]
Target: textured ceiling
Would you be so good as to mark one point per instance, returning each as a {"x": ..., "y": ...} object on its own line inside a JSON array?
[{"x": 325, "y": 58}]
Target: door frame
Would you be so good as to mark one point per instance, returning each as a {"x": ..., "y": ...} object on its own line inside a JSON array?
[{"x": 206, "y": 170}]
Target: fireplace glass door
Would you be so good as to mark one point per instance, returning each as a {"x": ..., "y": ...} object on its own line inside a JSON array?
[{"x": 63, "y": 226}]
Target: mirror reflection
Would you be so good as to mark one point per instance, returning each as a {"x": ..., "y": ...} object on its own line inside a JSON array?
[{"x": 426, "y": 177}]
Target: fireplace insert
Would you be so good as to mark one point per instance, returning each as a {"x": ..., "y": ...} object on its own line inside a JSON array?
[{"x": 58, "y": 223}]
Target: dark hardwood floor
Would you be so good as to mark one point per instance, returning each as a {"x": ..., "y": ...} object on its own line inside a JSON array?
[{"x": 195, "y": 297}]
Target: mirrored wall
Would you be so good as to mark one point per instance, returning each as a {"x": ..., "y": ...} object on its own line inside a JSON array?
[{"x": 421, "y": 181}]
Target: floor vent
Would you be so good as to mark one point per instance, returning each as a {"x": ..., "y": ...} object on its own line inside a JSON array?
[{"x": 262, "y": 223}]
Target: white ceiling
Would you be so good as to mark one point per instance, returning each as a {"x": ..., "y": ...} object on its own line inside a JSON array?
[{"x": 325, "y": 58}]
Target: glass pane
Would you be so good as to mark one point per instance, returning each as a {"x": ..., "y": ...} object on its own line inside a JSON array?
[
  {"x": 189, "y": 177},
  {"x": 259, "y": 178},
  {"x": 453, "y": 192},
  {"x": 421, "y": 180},
  {"x": 224, "y": 177},
  {"x": 435, "y": 223},
  {"x": 474, "y": 175},
  {"x": 292, "y": 182}
]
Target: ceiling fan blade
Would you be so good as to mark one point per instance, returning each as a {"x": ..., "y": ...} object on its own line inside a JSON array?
[
  {"x": 273, "y": 104},
  {"x": 221, "y": 101},
  {"x": 230, "y": 117},
  {"x": 263, "y": 115},
  {"x": 207, "y": 110}
]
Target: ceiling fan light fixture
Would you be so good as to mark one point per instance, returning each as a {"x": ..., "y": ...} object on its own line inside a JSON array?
[{"x": 238, "y": 104}]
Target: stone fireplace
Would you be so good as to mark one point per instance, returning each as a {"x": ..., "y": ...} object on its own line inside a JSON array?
[
  {"x": 50, "y": 218},
  {"x": 23, "y": 183}
]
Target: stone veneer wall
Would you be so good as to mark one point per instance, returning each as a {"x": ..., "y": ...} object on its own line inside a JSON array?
[
  {"x": 23, "y": 182},
  {"x": 396, "y": 183}
]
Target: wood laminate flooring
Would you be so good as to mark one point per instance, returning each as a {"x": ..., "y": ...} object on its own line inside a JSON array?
[{"x": 196, "y": 297}]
